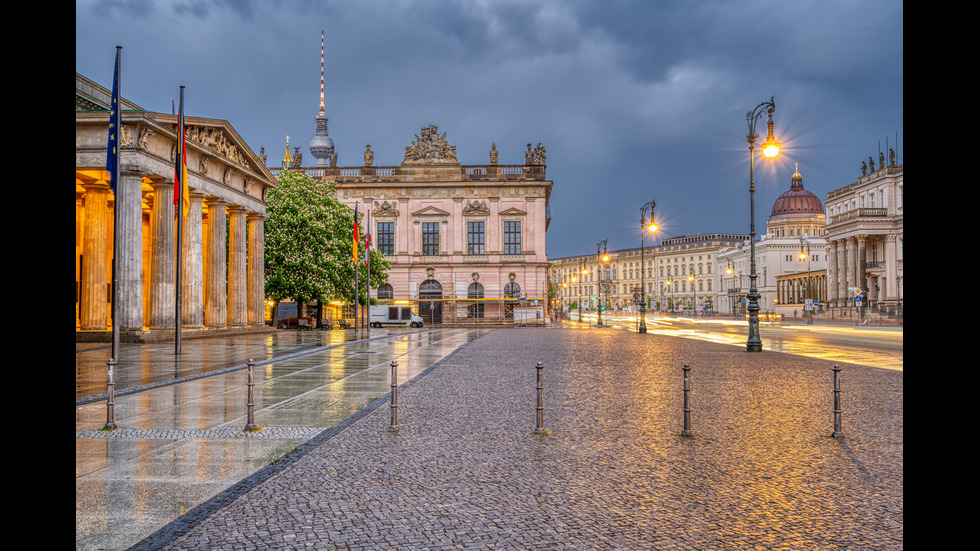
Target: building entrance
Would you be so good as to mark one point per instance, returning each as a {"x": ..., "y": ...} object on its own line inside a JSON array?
[{"x": 430, "y": 301}]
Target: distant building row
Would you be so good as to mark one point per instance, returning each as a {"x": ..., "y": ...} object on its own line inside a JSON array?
[{"x": 832, "y": 260}]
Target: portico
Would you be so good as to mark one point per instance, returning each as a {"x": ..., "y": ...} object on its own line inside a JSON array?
[{"x": 222, "y": 268}]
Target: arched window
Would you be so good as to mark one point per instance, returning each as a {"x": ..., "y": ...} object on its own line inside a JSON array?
[
  {"x": 430, "y": 285},
  {"x": 385, "y": 292}
]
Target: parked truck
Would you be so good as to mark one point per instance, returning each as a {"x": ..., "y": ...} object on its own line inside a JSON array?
[{"x": 382, "y": 315}]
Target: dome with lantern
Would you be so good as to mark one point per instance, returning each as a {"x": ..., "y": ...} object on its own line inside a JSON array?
[{"x": 796, "y": 211}]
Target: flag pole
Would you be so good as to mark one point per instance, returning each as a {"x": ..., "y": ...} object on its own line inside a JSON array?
[
  {"x": 355, "y": 269},
  {"x": 114, "y": 125},
  {"x": 367, "y": 264},
  {"x": 178, "y": 201}
]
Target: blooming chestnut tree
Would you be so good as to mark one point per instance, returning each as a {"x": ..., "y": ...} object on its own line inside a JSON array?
[{"x": 309, "y": 243}]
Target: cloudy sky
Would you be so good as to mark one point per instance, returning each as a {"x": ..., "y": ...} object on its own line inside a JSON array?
[{"x": 633, "y": 100}]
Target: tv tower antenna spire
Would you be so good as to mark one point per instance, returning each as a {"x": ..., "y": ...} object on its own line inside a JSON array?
[{"x": 321, "y": 146}]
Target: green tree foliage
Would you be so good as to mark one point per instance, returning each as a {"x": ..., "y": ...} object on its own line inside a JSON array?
[{"x": 308, "y": 243}]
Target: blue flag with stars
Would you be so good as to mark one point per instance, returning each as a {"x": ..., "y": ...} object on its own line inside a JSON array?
[{"x": 111, "y": 149}]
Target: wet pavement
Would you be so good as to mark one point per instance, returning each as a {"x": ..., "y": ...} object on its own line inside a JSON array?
[
  {"x": 466, "y": 469},
  {"x": 179, "y": 441}
]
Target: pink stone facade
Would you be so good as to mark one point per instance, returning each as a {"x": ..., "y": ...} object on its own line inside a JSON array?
[{"x": 454, "y": 232}]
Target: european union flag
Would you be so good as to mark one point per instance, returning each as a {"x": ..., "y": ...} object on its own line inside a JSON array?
[{"x": 111, "y": 149}]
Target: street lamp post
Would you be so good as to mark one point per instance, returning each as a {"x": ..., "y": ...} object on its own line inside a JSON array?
[
  {"x": 806, "y": 295},
  {"x": 693, "y": 295},
  {"x": 770, "y": 148},
  {"x": 603, "y": 258},
  {"x": 643, "y": 288},
  {"x": 731, "y": 287}
]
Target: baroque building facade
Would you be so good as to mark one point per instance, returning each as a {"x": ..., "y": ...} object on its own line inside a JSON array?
[
  {"x": 865, "y": 237},
  {"x": 465, "y": 242},
  {"x": 222, "y": 270}
]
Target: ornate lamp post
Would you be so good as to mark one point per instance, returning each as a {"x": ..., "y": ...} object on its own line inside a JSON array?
[
  {"x": 805, "y": 255},
  {"x": 603, "y": 259},
  {"x": 770, "y": 148},
  {"x": 643, "y": 287},
  {"x": 731, "y": 287}
]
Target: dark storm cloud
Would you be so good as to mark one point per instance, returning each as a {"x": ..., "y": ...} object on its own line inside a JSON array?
[{"x": 632, "y": 99}]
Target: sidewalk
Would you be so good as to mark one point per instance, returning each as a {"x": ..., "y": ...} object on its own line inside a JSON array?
[
  {"x": 465, "y": 469},
  {"x": 180, "y": 442}
]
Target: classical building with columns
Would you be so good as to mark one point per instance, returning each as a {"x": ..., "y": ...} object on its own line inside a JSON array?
[
  {"x": 791, "y": 259},
  {"x": 466, "y": 242},
  {"x": 222, "y": 280},
  {"x": 865, "y": 235}
]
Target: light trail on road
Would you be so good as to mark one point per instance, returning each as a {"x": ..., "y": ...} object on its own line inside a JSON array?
[{"x": 872, "y": 346}]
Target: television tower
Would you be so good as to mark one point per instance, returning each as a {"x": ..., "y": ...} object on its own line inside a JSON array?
[{"x": 321, "y": 146}]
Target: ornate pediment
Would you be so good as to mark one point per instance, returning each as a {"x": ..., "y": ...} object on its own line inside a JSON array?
[
  {"x": 430, "y": 148},
  {"x": 513, "y": 212},
  {"x": 430, "y": 211},
  {"x": 215, "y": 140}
]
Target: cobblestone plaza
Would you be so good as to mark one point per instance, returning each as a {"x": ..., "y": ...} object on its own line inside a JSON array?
[{"x": 466, "y": 470}]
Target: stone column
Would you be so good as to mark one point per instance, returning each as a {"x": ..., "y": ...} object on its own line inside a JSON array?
[
  {"x": 163, "y": 284},
  {"x": 891, "y": 268},
  {"x": 861, "y": 266},
  {"x": 852, "y": 271},
  {"x": 129, "y": 258},
  {"x": 192, "y": 265},
  {"x": 256, "y": 269},
  {"x": 215, "y": 285},
  {"x": 237, "y": 263},
  {"x": 95, "y": 254},
  {"x": 831, "y": 256},
  {"x": 841, "y": 272}
]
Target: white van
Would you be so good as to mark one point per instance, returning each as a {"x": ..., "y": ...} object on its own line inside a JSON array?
[{"x": 394, "y": 315}]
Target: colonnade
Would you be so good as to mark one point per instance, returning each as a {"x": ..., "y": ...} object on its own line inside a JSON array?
[
  {"x": 794, "y": 289},
  {"x": 222, "y": 258},
  {"x": 849, "y": 268}
]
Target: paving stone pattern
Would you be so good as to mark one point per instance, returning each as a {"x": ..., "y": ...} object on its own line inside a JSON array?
[{"x": 466, "y": 471}]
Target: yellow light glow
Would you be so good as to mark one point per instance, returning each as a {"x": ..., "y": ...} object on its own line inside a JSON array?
[
  {"x": 652, "y": 227},
  {"x": 605, "y": 258},
  {"x": 770, "y": 148}
]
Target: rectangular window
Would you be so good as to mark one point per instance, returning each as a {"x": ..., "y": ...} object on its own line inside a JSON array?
[
  {"x": 512, "y": 237},
  {"x": 475, "y": 238},
  {"x": 386, "y": 238},
  {"x": 430, "y": 238}
]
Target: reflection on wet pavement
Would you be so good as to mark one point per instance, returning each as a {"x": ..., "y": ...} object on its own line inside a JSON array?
[
  {"x": 875, "y": 347},
  {"x": 181, "y": 444}
]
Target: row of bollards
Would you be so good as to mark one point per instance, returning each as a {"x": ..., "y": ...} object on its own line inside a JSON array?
[
  {"x": 838, "y": 432},
  {"x": 539, "y": 408}
]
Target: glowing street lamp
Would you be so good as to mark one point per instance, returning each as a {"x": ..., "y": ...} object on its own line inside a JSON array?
[
  {"x": 652, "y": 227},
  {"x": 770, "y": 148},
  {"x": 604, "y": 257}
]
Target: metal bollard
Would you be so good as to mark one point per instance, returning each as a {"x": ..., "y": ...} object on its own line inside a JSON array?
[
  {"x": 110, "y": 415},
  {"x": 687, "y": 402},
  {"x": 539, "y": 428},
  {"x": 393, "y": 427},
  {"x": 837, "y": 403},
  {"x": 250, "y": 404}
]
